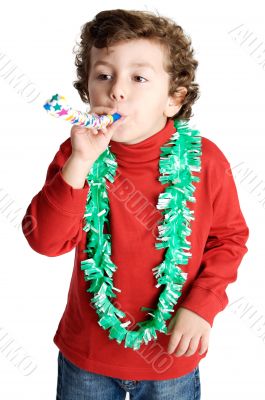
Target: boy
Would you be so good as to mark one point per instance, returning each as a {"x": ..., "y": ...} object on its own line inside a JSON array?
[{"x": 141, "y": 66}]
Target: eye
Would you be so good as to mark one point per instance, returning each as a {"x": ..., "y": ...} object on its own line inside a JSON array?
[
  {"x": 101, "y": 77},
  {"x": 138, "y": 76}
]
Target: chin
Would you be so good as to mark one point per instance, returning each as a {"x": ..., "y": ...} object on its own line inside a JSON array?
[
  {"x": 120, "y": 132},
  {"x": 119, "y": 137},
  {"x": 123, "y": 134}
]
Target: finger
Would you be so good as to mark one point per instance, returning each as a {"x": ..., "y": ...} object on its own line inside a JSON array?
[
  {"x": 79, "y": 129},
  {"x": 104, "y": 131},
  {"x": 182, "y": 346},
  {"x": 193, "y": 346},
  {"x": 174, "y": 341},
  {"x": 204, "y": 344},
  {"x": 171, "y": 326}
]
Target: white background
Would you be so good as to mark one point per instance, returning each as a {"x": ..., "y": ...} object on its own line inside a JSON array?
[{"x": 38, "y": 38}]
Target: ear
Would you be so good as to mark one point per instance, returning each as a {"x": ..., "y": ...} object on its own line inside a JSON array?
[{"x": 175, "y": 101}]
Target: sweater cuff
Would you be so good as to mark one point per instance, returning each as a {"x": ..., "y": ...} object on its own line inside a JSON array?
[
  {"x": 203, "y": 302},
  {"x": 64, "y": 197}
]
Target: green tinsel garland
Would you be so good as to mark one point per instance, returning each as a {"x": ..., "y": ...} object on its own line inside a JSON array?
[{"x": 175, "y": 166}]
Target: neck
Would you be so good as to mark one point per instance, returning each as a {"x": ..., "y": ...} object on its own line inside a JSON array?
[{"x": 146, "y": 150}]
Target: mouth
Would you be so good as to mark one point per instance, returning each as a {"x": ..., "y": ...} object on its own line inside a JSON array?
[
  {"x": 123, "y": 118},
  {"x": 123, "y": 114}
]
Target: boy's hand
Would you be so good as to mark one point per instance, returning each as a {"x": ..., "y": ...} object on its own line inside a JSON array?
[
  {"x": 186, "y": 329},
  {"x": 89, "y": 143}
]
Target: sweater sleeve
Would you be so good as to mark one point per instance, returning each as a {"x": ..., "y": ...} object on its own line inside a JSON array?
[
  {"x": 223, "y": 252},
  {"x": 53, "y": 221}
]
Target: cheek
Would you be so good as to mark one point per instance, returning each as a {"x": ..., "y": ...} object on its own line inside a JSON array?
[
  {"x": 92, "y": 87},
  {"x": 94, "y": 94}
]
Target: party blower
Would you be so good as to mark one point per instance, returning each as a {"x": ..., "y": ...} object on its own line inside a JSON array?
[{"x": 58, "y": 107}]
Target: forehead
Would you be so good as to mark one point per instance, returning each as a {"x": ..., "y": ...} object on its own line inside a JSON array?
[{"x": 136, "y": 52}]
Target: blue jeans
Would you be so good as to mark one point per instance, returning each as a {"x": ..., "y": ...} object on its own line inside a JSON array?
[{"x": 77, "y": 384}]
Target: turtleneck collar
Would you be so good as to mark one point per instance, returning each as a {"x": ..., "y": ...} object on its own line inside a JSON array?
[{"x": 146, "y": 150}]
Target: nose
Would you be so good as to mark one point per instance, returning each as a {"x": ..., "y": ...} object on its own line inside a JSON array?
[{"x": 117, "y": 93}]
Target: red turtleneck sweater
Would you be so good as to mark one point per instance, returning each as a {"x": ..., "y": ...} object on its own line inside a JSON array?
[{"x": 53, "y": 226}]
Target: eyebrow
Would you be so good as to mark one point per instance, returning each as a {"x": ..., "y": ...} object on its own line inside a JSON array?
[{"x": 136, "y": 64}]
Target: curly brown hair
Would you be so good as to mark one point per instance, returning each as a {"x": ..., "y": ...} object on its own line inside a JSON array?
[{"x": 112, "y": 26}]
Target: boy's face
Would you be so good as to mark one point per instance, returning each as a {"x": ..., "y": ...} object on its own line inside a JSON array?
[{"x": 138, "y": 91}]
